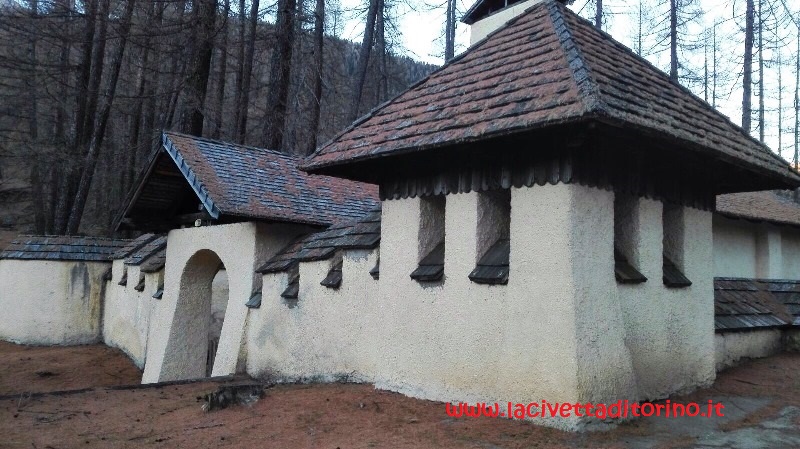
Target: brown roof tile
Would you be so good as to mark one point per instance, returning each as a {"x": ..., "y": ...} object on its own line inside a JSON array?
[
  {"x": 741, "y": 304},
  {"x": 770, "y": 205},
  {"x": 546, "y": 67},
  {"x": 259, "y": 183}
]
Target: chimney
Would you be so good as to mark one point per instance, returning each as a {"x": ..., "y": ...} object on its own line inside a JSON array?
[{"x": 486, "y": 16}]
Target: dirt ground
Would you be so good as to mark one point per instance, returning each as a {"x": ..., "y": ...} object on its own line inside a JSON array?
[
  {"x": 54, "y": 368},
  {"x": 761, "y": 398}
]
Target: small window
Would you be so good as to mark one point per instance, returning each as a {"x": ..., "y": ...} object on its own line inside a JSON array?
[
  {"x": 673, "y": 226},
  {"x": 431, "y": 240},
  {"x": 626, "y": 232},
  {"x": 493, "y": 245}
]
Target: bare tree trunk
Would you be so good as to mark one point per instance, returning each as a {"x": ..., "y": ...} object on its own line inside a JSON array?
[
  {"x": 88, "y": 67},
  {"x": 177, "y": 76},
  {"x": 319, "y": 42},
  {"x": 280, "y": 71},
  {"x": 714, "y": 68},
  {"x": 598, "y": 14},
  {"x": 673, "y": 41},
  {"x": 639, "y": 31},
  {"x": 450, "y": 31},
  {"x": 242, "y": 105},
  {"x": 363, "y": 60},
  {"x": 380, "y": 47},
  {"x": 705, "y": 69},
  {"x": 747, "y": 78},
  {"x": 128, "y": 169},
  {"x": 33, "y": 125},
  {"x": 99, "y": 130},
  {"x": 193, "y": 114},
  {"x": 780, "y": 103},
  {"x": 760, "y": 73},
  {"x": 797, "y": 102},
  {"x": 223, "y": 71}
]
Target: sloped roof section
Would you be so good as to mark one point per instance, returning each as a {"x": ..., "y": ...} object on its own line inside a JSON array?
[
  {"x": 364, "y": 233},
  {"x": 43, "y": 247},
  {"x": 234, "y": 183},
  {"x": 258, "y": 183},
  {"x": 544, "y": 68},
  {"x": 133, "y": 246},
  {"x": 775, "y": 206},
  {"x": 746, "y": 304}
]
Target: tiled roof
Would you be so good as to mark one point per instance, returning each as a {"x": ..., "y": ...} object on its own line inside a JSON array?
[
  {"x": 741, "y": 304},
  {"x": 43, "y": 247},
  {"x": 250, "y": 182},
  {"x": 545, "y": 67},
  {"x": 152, "y": 256},
  {"x": 133, "y": 246},
  {"x": 360, "y": 234},
  {"x": 770, "y": 205}
]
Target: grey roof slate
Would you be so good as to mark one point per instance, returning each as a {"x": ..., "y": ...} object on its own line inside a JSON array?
[{"x": 44, "y": 247}]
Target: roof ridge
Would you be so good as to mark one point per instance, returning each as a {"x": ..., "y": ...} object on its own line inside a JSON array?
[
  {"x": 581, "y": 73},
  {"x": 191, "y": 176},
  {"x": 233, "y": 144}
]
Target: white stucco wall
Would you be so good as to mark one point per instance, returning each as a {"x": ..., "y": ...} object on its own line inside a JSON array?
[
  {"x": 561, "y": 330},
  {"x": 242, "y": 248},
  {"x": 51, "y": 302},
  {"x": 790, "y": 251},
  {"x": 127, "y": 313},
  {"x": 483, "y": 27},
  {"x": 732, "y": 347},
  {"x": 734, "y": 248},
  {"x": 669, "y": 332},
  {"x": 755, "y": 250}
]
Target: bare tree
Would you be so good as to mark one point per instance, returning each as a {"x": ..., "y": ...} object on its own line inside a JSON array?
[
  {"x": 192, "y": 117},
  {"x": 363, "y": 60},
  {"x": 275, "y": 119},
  {"x": 98, "y": 130},
  {"x": 319, "y": 59},
  {"x": 747, "y": 70},
  {"x": 450, "y": 31},
  {"x": 246, "y": 73}
]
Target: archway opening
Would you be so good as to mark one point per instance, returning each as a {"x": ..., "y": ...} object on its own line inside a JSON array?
[
  {"x": 219, "y": 302},
  {"x": 198, "y": 320}
]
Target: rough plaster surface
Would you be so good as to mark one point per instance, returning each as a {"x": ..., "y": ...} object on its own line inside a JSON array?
[
  {"x": 483, "y": 27},
  {"x": 51, "y": 302},
  {"x": 731, "y": 347},
  {"x": 669, "y": 332},
  {"x": 127, "y": 312},
  {"x": 179, "y": 331},
  {"x": 561, "y": 330}
]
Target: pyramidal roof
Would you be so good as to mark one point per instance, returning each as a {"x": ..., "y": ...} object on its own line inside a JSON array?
[{"x": 545, "y": 67}]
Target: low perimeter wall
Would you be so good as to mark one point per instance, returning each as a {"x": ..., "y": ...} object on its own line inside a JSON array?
[{"x": 51, "y": 302}]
